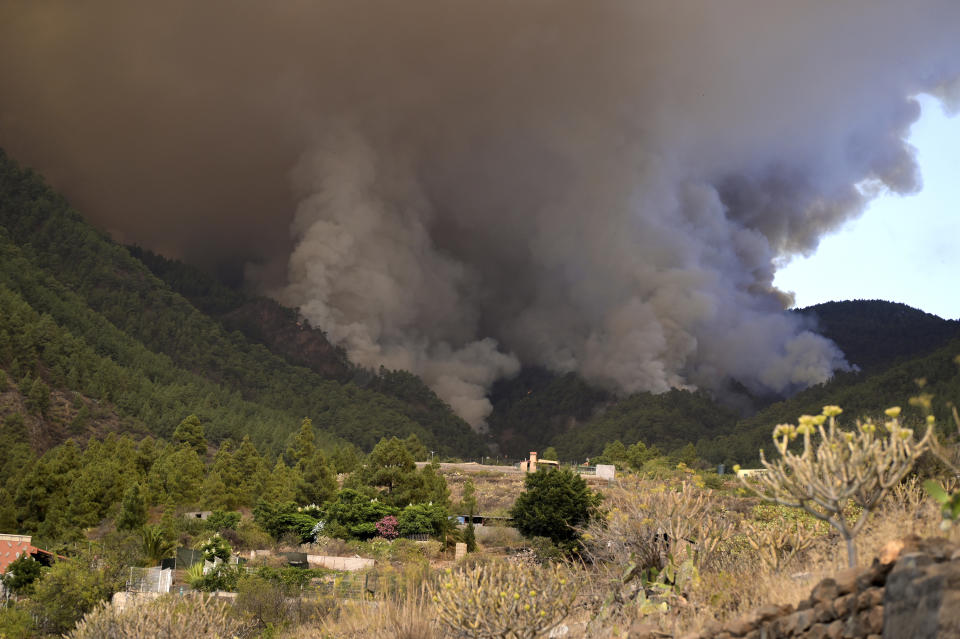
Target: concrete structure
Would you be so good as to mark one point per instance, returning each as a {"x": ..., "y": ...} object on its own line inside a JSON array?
[
  {"x": 339, "y": 563},
  {"x": 751, "y": 472},
  {"x": 198, "y": 514},
  {"x": 533, "y": 464},
  {"x": 606, "y": 471},
  {"x": 346, "y": 564}
]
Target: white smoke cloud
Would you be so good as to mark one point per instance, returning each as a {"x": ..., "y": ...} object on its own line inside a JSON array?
[{"x": 602, "y": 187}]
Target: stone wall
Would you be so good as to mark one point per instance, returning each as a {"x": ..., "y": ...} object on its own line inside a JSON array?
[{"x": 912, "y": 593}]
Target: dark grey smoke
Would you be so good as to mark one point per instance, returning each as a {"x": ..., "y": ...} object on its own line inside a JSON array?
[{"x": 603, "y": 186}]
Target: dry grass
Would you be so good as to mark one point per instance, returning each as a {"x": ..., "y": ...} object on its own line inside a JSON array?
[
  {"x": 744, "y": 583},
  {"x": 495, "y": 493},
  {"x": 411, "y": 617}
]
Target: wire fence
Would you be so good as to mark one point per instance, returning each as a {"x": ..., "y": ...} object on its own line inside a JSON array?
[{"x": 359, "y": 586}]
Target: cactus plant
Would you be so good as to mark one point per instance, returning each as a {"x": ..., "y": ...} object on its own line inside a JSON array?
[
  {"x": 503, "y": 601},
  {"x": 859, "y": 466}
]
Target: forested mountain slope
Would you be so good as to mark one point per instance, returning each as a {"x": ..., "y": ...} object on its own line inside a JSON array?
[
  {"x": 533, "y": 408},
  {"x": 892, "y": 344},
  {"x": 859, "y": 395},
  {"x": 88, "y": 317},
  {"x": 874, "y": 334},
  {"x": 668, "y": 420},
  {"x": 286, "y": 334}
]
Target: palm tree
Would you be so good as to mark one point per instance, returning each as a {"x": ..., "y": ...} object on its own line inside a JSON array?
[{"x": 155, "y": 546}]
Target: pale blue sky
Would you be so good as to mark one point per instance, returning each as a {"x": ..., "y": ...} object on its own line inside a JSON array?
[{"x": 902, "y": 249}]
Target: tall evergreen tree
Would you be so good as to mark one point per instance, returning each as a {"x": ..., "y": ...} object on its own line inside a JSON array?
[
  {"x": 190, "y": 431},
  {"x": 317, "y": 483},
  {"x": 38, "y": 397},
  {"x": 302, "y": 449},
  {"x": 282, "y": 483},
  {"x": 555, "y": 504},
  {"x": 133, "y": 511}
]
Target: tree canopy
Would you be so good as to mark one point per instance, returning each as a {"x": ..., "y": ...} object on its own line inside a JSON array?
[{"x": 555, "y": 503}]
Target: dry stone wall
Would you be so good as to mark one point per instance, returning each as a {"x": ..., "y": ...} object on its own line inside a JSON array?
[{"x": 914, "y": 593}]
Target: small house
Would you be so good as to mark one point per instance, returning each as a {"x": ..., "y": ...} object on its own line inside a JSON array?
[{"x": 13, "y": 546}]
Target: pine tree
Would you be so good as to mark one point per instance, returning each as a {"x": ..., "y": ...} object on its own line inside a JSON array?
[
  {"x": 391, "y": 469},
  {"x": 133, "y": 512},
  {"x": 555, "y": 504},
  {"x": 470, "y": 537},
  {"x": 434, "y": 486},
  {"x": 8, "y": 514},
  {"x": 252, "y": 471},
  {"x": 468, "y": 498},
  {"x": 468, "y": 504},
  {"x": 228, "y": 475},
  {"x": 281, "y": 483},
  {"x": 190, "y": 431},
  {"x": 317, "y": 483},
  {"x": 417, "y": 450},
  {"x": 38, "y": 397},
  {"x": 302, "y": 449}
]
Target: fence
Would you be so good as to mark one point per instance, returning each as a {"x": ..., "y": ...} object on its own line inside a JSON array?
[
  {"x": 149, "y": 580},
  {"x": 359, "y": 585}
]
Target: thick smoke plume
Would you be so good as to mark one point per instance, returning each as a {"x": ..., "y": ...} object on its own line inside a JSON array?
[{"x": 604, "y": 187}]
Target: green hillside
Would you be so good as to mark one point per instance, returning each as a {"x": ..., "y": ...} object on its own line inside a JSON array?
[
  {"x": 534, "y": 407},
  {"x": 668, "y": 420},
  {"x": 892, "y": 344},
  {"x": 859, "y": 396},
  {"x": 87, "y": 317},
  {"x": 284, "y": 333},
  {"x": 874, "y": 334}
]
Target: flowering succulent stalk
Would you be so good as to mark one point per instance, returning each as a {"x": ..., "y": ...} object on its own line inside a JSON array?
[{"x": 859, "y": 466}]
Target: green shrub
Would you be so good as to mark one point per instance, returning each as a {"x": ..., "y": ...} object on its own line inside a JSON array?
[
  {"x": 430, "y": 519},
  {"x": 266, "y": 602},
  {"x": 221, "y": 577},
  {"x": 273, "y": 598},
  {"x": 280, "y": 519},
  {"x": 16, "y": 623},
  {"x": 353, "y": 515},
  {"x": 252, "y": 536},
  {"x": 21, "y": 575},
  {"x": 545, "y": 551},
  {"x": 405, "y": 551},
  {"x": 222, "y": 520},
  {"x": 67, "y": 591},
  {"x": 215, "y": 547},
  {"x": 555, "y": 504}
]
